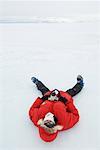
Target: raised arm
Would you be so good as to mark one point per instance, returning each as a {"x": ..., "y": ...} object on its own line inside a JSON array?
[
  {"x": 72, "y": 115},
  {"x": 67, "y": 116},
  {"x": 33, "y": 112}
]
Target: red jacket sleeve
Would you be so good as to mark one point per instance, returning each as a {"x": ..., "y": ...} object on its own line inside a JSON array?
[
  {"x": 33, "y": 112},
  {"x": 72, "y": 115},
  {"x": 67, "y": 116}
]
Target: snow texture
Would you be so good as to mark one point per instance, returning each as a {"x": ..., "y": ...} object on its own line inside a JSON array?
[{"x": 54, "y": 53}]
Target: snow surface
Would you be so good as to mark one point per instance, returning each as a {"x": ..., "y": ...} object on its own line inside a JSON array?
[{"x": 56, "y": 54}]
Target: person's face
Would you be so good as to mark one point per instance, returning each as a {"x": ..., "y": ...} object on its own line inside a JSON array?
[
  {"x": 49, "y": 120},
  {"x": 49, "y": 123}
]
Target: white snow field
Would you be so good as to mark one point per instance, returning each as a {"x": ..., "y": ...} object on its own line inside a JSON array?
[{"x": 55, "y": 53}]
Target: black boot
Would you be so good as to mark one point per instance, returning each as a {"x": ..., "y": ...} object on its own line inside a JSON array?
[
  {"x": 34, "y": 80},
  {"x": 80, "y": 80}
]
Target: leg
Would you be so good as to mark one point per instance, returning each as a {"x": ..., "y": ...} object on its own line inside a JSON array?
[
  {"x": 40, "y": 85},
  {"x": 77, "y": 88}
]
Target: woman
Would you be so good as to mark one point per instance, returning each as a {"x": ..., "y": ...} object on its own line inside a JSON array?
[{"x": 55, "y": 111}]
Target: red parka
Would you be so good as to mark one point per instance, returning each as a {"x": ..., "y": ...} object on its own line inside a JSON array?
[{"x": 66, "y": 114}]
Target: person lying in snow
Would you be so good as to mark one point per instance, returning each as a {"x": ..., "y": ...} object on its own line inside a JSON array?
[{"x": 55, "y": 111}]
